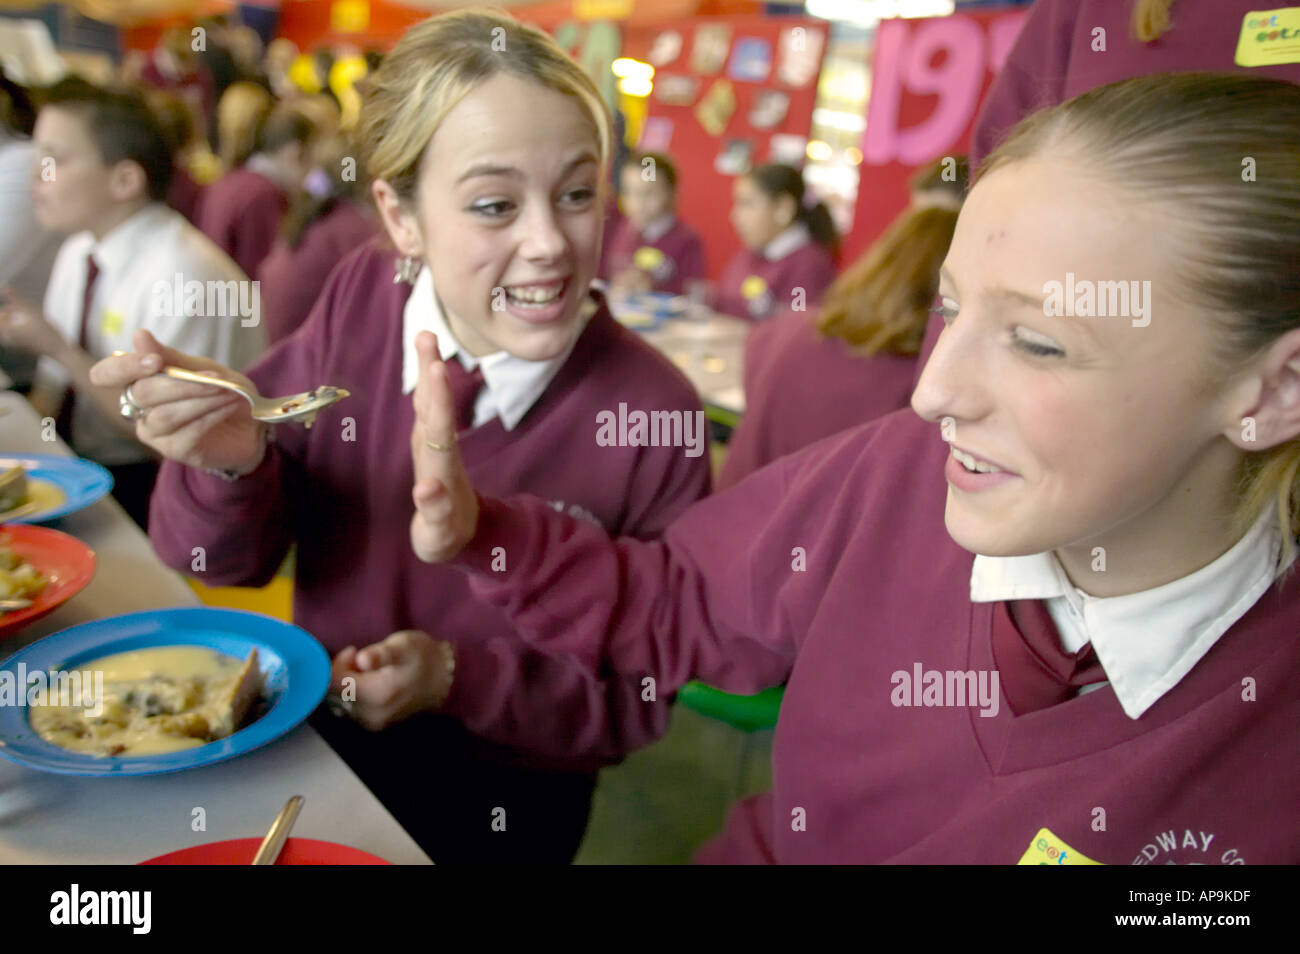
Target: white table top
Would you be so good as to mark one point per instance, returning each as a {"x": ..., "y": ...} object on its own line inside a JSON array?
[{"x": 57, "y": 819}]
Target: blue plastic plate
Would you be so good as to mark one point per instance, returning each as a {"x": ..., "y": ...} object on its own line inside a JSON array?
[
  {"x": 295, "y": 672},
  {"x": 645, "y": 311},
  {"x": 82, "y": 482}
]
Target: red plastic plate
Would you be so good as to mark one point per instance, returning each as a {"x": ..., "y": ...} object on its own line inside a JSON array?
[
  {"x": 66, "y": 561},
  {"x": 240, "y": 851}
]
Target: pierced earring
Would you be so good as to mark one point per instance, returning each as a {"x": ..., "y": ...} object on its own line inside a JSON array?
[{"x": 406, "y": 269}]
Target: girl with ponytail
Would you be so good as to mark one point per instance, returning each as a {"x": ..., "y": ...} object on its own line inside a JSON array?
[
  {"x": 1056, "y": 587},
  {"x": 790, "y": 246},
  {"x": 808, "y": 376}
]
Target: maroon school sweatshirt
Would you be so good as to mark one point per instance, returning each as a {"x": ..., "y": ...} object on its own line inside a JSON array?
[
  {"x": 679, "y": 258},
  {"x": 292, "y": 277},
  {"x": 1053, "y": 60},
  {"x": 832, "y": 568},
  {"x": 801, "y": 387},
  {"x": 241, "y": 212},
  {"x": 342, "y": 491},
  {"x": 809, "y": 267}
]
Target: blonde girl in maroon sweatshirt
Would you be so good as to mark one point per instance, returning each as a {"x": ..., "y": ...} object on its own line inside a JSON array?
[
  {"x": 488, "y": 148},
  {"x": 1044, "y": 615}
]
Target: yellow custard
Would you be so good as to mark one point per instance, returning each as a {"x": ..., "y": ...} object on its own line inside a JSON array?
[
  {"x": 42, "y": 495},
  {"x": 153, "y": 701}
]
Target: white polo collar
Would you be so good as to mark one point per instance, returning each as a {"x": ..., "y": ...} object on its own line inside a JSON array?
[
  {"x": 1148, "y": 641},
  {"x": 792, "y": 239},
  {"x": 511, "y": 385},
  {"x": 658, "y": 228}
]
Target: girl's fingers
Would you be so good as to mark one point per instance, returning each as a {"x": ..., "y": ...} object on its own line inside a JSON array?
[
  {"x": 166, "y": 420},
  {"x": 376, "y": 657},
  {"x": 342, "y": 664},
  {"x": 435, "y": 417},
  {"x": 121, "y": 370}
]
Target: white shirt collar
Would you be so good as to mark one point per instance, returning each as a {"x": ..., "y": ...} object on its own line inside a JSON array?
[
  {"x": 265, "y": 166},
  {"x": 511, "y": 385},
  {"x": 793, "y": 238},
  {"x": 658, "y": 228},
  {"x": 1148, "y": 641},
  {"x": 124, "y": 242}
]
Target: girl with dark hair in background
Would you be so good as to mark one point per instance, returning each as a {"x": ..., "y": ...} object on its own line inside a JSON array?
[
  {"x": 810, "y": 376},
  {"x": 790, "y": 246}
]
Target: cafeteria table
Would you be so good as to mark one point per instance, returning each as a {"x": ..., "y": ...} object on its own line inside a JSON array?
[
  {"x": 709, "y": 350},
  {"x": 60, "y": 819}
]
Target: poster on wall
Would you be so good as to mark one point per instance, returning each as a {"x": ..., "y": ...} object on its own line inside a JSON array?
[
  {"x": 735, "y": 158},
  {"x": 656, "y": 134},
  {"x": 667, "y": 47},
  {"x": 716, "y": 107},
  {"x": 801, "y": 55},
  {"x": 709, "y": 51},
  {"x": 769, "y": 109},
  {"x": 787, "y": 148},
  {"x": 751, "y": 60},
  {"x": 676, "y": 90}
]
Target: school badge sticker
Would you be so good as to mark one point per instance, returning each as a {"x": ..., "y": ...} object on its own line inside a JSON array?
[
  {"x": 650, "y": 259},
  {"x": 112, "y": 322},
  {"x": 757, "y": 296},
  {"x": 1046, "y": 849},
  {"x": 1269, "y": 37}
]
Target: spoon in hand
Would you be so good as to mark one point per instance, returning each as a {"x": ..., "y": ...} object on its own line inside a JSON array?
[{"x": 271, "y": 410}]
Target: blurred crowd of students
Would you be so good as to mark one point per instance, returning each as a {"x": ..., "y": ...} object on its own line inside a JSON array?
[{"x": 205, "y": 161}]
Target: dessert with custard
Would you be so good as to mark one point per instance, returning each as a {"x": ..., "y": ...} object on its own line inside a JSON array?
[{"x": 154, "y": 701}]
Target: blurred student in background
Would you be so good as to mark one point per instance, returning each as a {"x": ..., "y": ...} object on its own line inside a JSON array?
[
  {"x": 175, "y": 65},
  {"x": 241, "y": 212},
  {"x": 113, "y": 168},
  {"x": 810, "y": 376},
  {"x": 1054, "y": 58},
  {"x": 240, "y": 113},
  {"x": 790, "y": 246},
  {"x": 652, "y": 250},
  {"x": 26, "y": 249},
  {"x": 188, "y": 150},
  {"x": 328, "y": 218},
  {"x": 278, "y": 61}
]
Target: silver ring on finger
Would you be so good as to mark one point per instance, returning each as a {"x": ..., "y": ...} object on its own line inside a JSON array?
[{"x": 129, "y": 408}]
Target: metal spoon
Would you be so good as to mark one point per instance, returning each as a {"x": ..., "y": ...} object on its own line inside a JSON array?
[
  {"x": 292, "y": 407},
  {"x": 279, "y": 833},
  {"x": 7, "y": 605}
]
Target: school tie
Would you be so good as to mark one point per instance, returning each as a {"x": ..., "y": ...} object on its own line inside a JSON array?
[
  {"x": 63, "y": 423},
  {"x": 92, "y": 273},
  {"x": 465, "y": 386},
  {"x": 1033, "y": 669}
]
